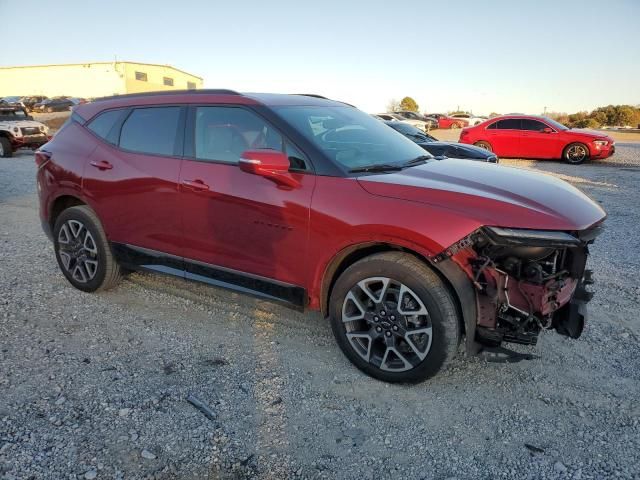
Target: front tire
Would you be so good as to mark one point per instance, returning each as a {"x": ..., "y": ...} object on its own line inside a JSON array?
[
  {"x": 83, "y": 252},
  {"x": 394, "y": 318},
  {"x": 576, "y": 153},
  {"x": 5, "y": 147}
]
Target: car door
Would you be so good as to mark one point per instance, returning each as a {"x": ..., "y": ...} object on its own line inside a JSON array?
[
  {"x": 538, "y": 140},
  {"x": 504, "y": 137},
  {"x": 132, "y": 176},
  {"x": 236, "y": 224}
]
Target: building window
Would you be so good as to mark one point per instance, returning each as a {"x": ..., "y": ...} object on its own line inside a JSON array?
[
  {"x": 191, "y": 85},
  {"x": 141, "y": 76},
  {"x": 168, "y": 81}
]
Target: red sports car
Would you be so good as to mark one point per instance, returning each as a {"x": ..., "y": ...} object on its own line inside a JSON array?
[
  {"x": 445, "y": 121},
  {"x": 528, "y": 136}
]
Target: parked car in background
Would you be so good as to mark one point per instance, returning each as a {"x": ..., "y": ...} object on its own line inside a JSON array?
[
  {"x": 19, "y": 130},
  {"x": 78, "y": 101},
  {"x": 398, "y": 117},
  {"x": 471, "y": 119},
  {"x": 408, "y": 116},
  {"x": 58, "y": 104},
  {"x": 31, "y": 102},
  {"x": 443, "y": 149},
  {"x": 390, "y": 117},
  {"x": 445, "y": 121},
  {"x": 537, "y": 137},
  {"x": 315, "y": 204},
  {"x": 13, "y": 101}
]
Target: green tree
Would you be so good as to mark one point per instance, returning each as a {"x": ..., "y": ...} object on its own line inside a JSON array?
[{"x": 408, "y": 103}]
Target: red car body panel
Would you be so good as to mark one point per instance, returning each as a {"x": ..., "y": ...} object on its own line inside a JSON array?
[
  {"x": 535, "y": 144},
  {"x": 137, "y": 199},
  {"x": 274, "y": 221}
]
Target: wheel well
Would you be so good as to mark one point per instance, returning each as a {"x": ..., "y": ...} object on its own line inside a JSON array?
[
  {"x": 348, "y": 257},
  {"x": 60, "y": 205}
]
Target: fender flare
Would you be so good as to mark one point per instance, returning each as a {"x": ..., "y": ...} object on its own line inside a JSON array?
[{"x": 467, "y": 302}]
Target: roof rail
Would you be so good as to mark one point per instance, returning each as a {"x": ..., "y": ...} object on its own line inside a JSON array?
[
  {"x": 314, "y": 95},
  {"x": 202, "y": 91}
]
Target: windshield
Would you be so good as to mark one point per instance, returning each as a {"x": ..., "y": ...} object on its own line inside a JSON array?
[
  {"x": 350, "y": 137},
  {"x": 554, "y": 124}
]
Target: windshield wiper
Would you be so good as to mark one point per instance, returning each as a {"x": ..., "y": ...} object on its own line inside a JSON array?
[
  {"x": 381, "y": 167},
  {"x": 416, "y": 161}
]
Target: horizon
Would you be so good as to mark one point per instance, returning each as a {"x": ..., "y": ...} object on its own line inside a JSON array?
[{"x": 357, "y": 57}]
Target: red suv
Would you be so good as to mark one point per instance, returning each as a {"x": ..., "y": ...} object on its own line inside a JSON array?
[
  {"x": 525, "y": 136},
  {"x": 315, "y": 204}
]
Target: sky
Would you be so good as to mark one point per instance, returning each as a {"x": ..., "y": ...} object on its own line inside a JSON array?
[{"x": 480, "y": 56}]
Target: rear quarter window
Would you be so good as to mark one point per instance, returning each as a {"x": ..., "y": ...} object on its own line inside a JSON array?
[{"x": 103, "y": 124}]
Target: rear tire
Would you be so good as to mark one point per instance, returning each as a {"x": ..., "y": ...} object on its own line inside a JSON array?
[
  {"x": 485, "y": 145},
  {"x": 576, "y": 153},
  {"x": 455, "y": 126},
  {"x": 394, "y": 318},
  {"x": 83, "y": 252},
  {"x": 6, "y": 150}
]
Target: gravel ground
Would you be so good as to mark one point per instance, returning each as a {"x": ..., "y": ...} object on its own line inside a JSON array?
[{"x": 95, "y": 386}]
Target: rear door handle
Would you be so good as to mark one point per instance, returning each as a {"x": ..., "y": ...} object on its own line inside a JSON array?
[
  {"x": 197, "y": 185},
  {"x": 102, "y": 165}
]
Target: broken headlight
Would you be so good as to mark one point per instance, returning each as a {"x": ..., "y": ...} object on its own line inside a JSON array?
[{"x": 531, "y": 238}]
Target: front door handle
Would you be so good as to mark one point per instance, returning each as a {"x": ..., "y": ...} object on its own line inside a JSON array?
[
  {"x": 102, "y": 165},
  {"x": 197, "y": 185}
]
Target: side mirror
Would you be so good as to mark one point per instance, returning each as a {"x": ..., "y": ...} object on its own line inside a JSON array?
[
  {"x": 547, "y": 130},
  {"x": 270, "y": 164}
]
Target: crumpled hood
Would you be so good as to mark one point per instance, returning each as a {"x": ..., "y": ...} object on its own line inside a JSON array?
[{"x": 491, "y": 194}]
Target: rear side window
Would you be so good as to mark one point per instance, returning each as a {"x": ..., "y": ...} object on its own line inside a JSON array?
[
  {"x": 509, "y": 124},
  {"x": 104, "y": 123},
  {"x": 151, "y": 130}
]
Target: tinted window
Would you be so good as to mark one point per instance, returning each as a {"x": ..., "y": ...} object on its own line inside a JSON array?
[
  {"x": 103, "y": 123},
  {"x": 534, "y": 125},
  {"x": 151, "y": 130},
  {"x": 493, "y": 126},
  {"x": 223, "y": 133},
  {"x": 509, "y": 124}
]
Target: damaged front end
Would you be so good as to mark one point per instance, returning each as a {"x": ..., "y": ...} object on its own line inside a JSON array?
[{"x": 526, "y": 281}]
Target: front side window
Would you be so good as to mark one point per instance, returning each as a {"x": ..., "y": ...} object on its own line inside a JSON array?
[
  {"x": 223, "y": 133},
  {"x": 141, "y": 76},
  {"x": 349, "y": 136},
  {"x": 508, "y": 124},
  {"x": 151, "y": 130},
  {"x": 533, "y": 125}
]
